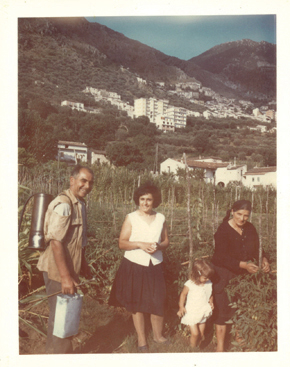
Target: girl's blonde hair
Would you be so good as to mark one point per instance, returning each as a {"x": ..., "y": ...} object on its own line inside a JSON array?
[{"x": 201, "y": 268}]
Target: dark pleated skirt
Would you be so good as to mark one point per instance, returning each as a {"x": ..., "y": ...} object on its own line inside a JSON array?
[
  {"x": 222, "y": 311},
  {"x": 139, "y": 288}
]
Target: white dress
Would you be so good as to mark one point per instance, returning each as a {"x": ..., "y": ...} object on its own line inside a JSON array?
[{"x": 197, "y": 306}]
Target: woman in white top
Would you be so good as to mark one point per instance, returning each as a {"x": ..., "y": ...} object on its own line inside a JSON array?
[{"x": 139, "y": 285}]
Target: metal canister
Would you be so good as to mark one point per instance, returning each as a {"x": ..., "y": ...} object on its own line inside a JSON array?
[
  {"x": 36, "y": 237},
  {"x": 67, "y": 315}
]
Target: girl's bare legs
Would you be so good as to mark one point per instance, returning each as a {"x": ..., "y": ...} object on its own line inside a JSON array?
[
  {"x": 157, "y": 327},
  {"x": 201, "y": 329},
  {"x": 194, "y": 335},
  {"x": 139, "y": 323},
  {"x": 220, "y": 335}
]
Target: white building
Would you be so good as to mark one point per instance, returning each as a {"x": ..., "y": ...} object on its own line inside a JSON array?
[
  {"x": 178, "y": 114},
  {"x": 165, "y": 123},
  {"x": 74, "y": 105},
  {"x": 256, "y": 112},
  {"x": 72, "y": 152},
  {"x": 208, "y": 165},
  {"x": 98, "y": 156},
  {"x": 207, "y": 114},
  {"x": 231, "y": 173},
  {"x": 150, "y": 107},
  {"x": 171, "y": 165},
  {"x": 260, "y": 176}
]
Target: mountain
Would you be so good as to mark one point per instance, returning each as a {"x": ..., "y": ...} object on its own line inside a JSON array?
[
  {"x": 72, "y": 53},
  {"x": 248, "y": 65}
]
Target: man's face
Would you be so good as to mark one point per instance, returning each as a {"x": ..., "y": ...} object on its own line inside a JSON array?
[{"x": 83, "y": 184}]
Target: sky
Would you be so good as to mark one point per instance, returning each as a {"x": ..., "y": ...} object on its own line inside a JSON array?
[{"x": 189, "y": 36}]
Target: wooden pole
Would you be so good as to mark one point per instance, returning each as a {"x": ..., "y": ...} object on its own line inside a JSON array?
[
  {"x": 188, "y": 213},
  {"x": 260, "y": 234}
]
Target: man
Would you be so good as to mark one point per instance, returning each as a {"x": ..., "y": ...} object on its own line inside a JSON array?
[{"x": 65, "y": 232}]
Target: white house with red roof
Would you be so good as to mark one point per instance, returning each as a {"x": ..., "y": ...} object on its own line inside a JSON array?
[
  {"x": 209, "y": 165},
  {"x": 215, "y": 171},
  {"x": 260, "y": 176}
]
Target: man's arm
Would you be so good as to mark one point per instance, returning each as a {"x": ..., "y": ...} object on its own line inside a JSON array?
[{"x": 68, "y": 284}]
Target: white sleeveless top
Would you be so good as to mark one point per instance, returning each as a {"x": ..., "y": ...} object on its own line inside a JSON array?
[{"x": 144, "y": 232}]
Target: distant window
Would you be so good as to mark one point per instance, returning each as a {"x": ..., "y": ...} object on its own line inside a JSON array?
[
  {"x": 168, "y": 167},
  {"x": 253, "y": 179},
  {"x": 258, "y": 179}
]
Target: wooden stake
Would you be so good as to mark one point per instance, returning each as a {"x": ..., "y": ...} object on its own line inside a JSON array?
[{"x": 188, "y": 212}]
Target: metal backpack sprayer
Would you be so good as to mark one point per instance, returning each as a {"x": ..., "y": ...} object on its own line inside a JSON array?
[{"x": 36, "y": 237}]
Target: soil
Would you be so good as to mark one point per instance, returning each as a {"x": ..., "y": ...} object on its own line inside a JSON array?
[{"x": 103, "y": 329}]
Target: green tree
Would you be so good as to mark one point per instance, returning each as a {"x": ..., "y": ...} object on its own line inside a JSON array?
[
  {"x": 124, "y": 154},
  {"x": 35, "y": 136}
]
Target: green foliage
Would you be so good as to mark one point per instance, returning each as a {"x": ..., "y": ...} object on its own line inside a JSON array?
[
  {"x": 35, "y": 136},
  {"x": 124, "y": 154},
  {"x": 254, "y": 298},
  {"x": 25, "y": 158}
]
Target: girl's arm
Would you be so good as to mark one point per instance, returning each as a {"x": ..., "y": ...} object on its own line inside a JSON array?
[
  {"x": 182, "y": 298},
  {"x": 125, "y": 244}
]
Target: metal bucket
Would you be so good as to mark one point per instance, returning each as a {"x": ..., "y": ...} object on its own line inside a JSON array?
[{"x": 67, "y": 315}]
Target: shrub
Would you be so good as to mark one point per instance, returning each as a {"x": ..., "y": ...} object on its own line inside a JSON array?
[{"x": 254, "y": 297}]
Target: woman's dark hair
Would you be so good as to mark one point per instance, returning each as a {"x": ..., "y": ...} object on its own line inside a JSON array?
[
  {"x": 238, "y": 205},
  {"x": 148, "y": 188},
  {"x": 199, "y": 268}
]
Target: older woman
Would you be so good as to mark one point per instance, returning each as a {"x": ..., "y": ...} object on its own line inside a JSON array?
[
  {"x": 236, "y": 247},
  {"x": 139, "y": 285}
]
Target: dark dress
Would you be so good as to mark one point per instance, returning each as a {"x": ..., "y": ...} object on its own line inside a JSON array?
[{"x": 230, "y": 249}]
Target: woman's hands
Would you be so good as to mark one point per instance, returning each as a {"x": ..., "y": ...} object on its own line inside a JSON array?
[
  {"x": 252, "y": 268},
  {"x": 265, "y": 265},
  {"x": 150, "y": 248}
]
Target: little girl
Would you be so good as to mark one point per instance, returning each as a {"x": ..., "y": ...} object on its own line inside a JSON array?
[{"x": 197, "y": 292}]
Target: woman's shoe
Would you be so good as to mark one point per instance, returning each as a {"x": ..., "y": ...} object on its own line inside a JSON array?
[{"x": 143, "y": 349}]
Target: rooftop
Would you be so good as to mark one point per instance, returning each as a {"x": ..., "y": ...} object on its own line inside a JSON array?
[
  {"x": 72, "y": 143},
  {"x": 261, "y": 170}
]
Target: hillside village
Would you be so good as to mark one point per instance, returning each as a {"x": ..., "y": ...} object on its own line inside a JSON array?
[
  {"x": 168, "y": 118},
  {"x": 215, "y": 171}
]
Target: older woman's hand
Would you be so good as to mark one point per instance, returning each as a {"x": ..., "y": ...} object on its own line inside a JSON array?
[
  {"x": 265, "y": 265},
  {"x": 250, "y": 267}
]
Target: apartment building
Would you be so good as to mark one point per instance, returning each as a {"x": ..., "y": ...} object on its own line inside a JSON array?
[
  {"x": 178, "y": 115},
  {"x": 150, "y": 107}
]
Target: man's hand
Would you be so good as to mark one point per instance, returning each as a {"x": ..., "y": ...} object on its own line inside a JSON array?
[{"x": 68, "y": 285}]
